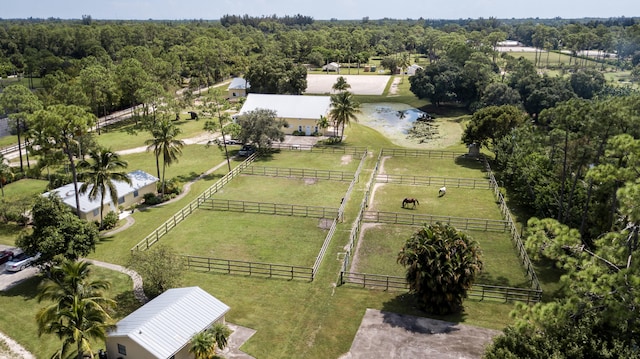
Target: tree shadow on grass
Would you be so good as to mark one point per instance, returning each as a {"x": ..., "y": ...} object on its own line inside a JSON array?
[
  {"x": 188, "y": 178},
  {"x": 126, "y": 304},
  {"x": 406, "y": 304},
  {"x": 470, "y": 162},
  {"x": 27, "y": 289}
]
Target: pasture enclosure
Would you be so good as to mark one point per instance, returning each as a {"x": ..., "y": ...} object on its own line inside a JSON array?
[
  {"x": 451, "y": 167},
  {"x": 346, "y": 161}
]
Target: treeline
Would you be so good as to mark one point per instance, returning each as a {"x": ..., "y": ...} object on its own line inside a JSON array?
[{"x": 246, "y": 20}]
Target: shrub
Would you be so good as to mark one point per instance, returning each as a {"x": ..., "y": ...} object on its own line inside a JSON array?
[
  {"x": 110, "y": 220},
  {"x": 151, "y": 199}
]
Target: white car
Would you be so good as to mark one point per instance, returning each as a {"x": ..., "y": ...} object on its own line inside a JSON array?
[{"x": 20, "y": 262}]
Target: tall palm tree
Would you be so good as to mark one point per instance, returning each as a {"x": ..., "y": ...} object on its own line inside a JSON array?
[
  {"x": 165, "y": 142},
  {"x": 78, "y": 308},
  {"x": 5, "y": 173},
  {"x": 343, "y": 109},
  {"x": 99, "y": 173}
]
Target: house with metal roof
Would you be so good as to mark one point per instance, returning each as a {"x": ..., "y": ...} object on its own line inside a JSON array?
[
  {"x": 300, "y": 112},
  {"x": 163, "y": 327},
  {"x": 238, "y": 88},
  {"x": 128, "y": 194},
  {"x": 332, "y": 66},
  {"x": 411, "y": 70}
]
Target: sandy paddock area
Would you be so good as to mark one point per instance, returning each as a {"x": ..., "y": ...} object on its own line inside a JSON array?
[{"x": 360, "y": 84}]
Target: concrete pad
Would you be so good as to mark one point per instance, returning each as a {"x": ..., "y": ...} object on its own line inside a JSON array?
[
  {"x": 360, "y": 84},
  {"x": 390, "y": 335},
  {"x": 238, "y": 337}
]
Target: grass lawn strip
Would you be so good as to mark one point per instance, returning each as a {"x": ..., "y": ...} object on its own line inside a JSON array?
[{"x": 460, "y": 167}]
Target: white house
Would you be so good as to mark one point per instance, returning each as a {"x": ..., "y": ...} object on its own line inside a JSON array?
[
  {"x": 300, "y": 112},
  {"x": 332, "y": 66},
  {"x": 238, "y": 88},
  {"x": 509, "y": 43},
  {"x": 411, "y": 70},
  {"x": 128, "y": 194},
  {"x": 163, "y": 328}
]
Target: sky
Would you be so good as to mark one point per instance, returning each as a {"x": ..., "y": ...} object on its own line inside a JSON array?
[{"x": 318, "y": 9}]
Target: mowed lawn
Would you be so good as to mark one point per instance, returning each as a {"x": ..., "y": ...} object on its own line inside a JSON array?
[
  {"x": 299, "y": 191},
  {"x": 460, "y": 167},
  {"x": 248, "y": 237},
  {"x": 458, "y": 202},
  {"x": 380, "y": 244}
]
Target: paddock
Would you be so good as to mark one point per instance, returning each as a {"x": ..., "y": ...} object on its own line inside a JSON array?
[{"x": 360, "y": 84}]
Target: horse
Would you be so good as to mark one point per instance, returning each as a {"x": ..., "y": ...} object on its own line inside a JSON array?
[
  {"x": 442, "y": 191},
  {"x": 410, "y": 200}
]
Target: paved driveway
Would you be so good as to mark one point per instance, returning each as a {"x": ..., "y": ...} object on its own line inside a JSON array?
[{"x": 9, "y": 279}]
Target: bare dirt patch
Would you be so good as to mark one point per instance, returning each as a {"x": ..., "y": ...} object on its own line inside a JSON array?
[
  {"x": 346, "y": 159},
  {"x": 310, "y": 181},
  {"x": 325, "y": 223}
]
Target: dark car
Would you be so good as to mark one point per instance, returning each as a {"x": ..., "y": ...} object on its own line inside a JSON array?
[
  {"x": 246, "y": 150},
  {"x": 5, "y": 256}
]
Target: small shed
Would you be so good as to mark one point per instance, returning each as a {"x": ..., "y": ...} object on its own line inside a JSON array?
[
  {"x": 332, "y": 66},
  {"x": 163, "y": 328},
  {"x": 238, "y": 88},
  {"x": 411, "y": 70}
]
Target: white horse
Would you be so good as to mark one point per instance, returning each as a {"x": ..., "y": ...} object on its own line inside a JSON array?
[{"x": 442, "y": 191}]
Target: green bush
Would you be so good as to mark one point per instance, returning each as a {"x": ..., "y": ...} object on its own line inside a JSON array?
[{"x": 110, "y": 220}]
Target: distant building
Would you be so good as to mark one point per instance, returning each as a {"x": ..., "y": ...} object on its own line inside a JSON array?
[
  {"x": 141, "y": 184},
  {"x": 238, "y": 88},
  {"x": 411, "y": 70},
  {"x": 301, "y": 112},
  {"x": 163, "y": 328},
  {"x": 332, "y": 66},
  {"x": 509, "y": 43}
]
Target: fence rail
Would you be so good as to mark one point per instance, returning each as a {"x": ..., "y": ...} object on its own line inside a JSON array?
[
  {"x": 159, "y": 232},
  {"x": 299, "y": 173},
  {"x": 407, "y": 152},
  {"x": 323, "y": 249},
  {"x": 435, "y": 181},
  {"x": 489, "y": 225},
  {"x": 236, "y": 267},
  {"x": 280, "y": 209},
  {"x": 353, "y": 150},
  {"x": 478, "y": 291}
]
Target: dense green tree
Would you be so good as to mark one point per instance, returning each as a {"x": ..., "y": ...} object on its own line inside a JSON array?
[
  {"x": 99, "y": 175},
  {"x": 160, "y": 268},
  {"x": 261, "y": 127},
  {"x": 57, "y": 232},
  {"x": 6, "y": 173},
  {"x": 587, "y": 83},
  {"x": 164, "y": 143},
  {"x": 272, "y": 75},
  {"x": 442, "y": 264},
  {"x": 499, "y": 94},
  {"x": 19, "y": 102},
  {"x": 344, "y": 109},
  {"x": 60, "y": 126},
  {"x": 438, "y": 82},
  {"x": 488, "y": 125},
  {"x": 77, "y": 310}
]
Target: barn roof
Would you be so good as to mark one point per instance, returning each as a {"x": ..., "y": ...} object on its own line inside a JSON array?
[{"x": 289, "y": 106}]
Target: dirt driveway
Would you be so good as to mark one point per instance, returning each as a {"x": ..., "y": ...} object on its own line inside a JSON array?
[{"x": 360, "y": 84}]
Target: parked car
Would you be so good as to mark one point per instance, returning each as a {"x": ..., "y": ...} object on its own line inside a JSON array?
[
  {"x": 246, "y": 150},
  {"x": 20, "y": 262},
  {"x": 5, "y": 256}
]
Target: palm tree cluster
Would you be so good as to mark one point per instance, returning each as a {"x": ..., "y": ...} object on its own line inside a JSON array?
[
  {"x": 165, "y": 143},
  {"x": 343, "y": 110},
  {"x": 77, "y": 310},
  {"x": 203, "y": 344}
]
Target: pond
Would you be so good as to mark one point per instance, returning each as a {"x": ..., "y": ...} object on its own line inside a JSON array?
[{"x": 393, "y": 120}]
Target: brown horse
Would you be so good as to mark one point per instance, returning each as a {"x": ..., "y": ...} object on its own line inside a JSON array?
[{"x": 410, "y": 200}]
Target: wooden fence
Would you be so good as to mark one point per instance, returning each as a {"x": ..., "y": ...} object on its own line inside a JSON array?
[
  {"x": 435, "y": 181},
  {"x": 353, "y": 150},
  {"x": 236, "y": 267},
  {"x": 490, "y": 225},
  {"x": 407, "y": 152},
  {"x": 515, "y": 234},
  {"x": 323, "y": 249},
  {"x": 299, "y": 173},
  {"x": 347, "y": 194},
  {"x": 180, "y": 216},
  {"x": 280, "y": 209},
  {"x": 478, "y": 291}
]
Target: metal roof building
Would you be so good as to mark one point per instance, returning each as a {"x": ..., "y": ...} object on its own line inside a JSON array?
[
  {"x": 163, "y": 327},
  {"x": 289, "y": 106}
]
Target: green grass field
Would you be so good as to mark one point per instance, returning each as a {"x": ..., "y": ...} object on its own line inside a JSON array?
[
  {"x": 314, "y": 160},
  {"x": 121, "y": 135},
  {"x": 423, "y": 166}
]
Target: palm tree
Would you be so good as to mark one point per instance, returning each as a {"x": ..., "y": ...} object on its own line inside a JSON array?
[
  {"x": 165, "y": 142},
  {"x": 5, "y": 173},
  {"x": 77, "y": 312},
  {"x": 99, "y": 175},
  {"x": 441, "y": 264},
  {"x": 203, "y": 345},
  {"x": 341, "y": 84},
  {"x": 404, "y": 61},
  {"x": 343, "y": 110},
  {"x": 323, "y": 123}
]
